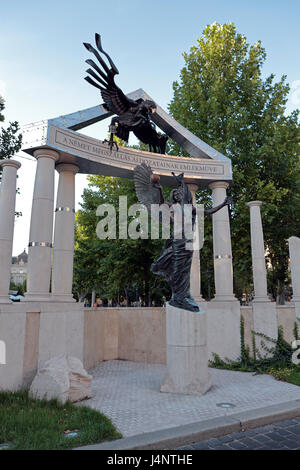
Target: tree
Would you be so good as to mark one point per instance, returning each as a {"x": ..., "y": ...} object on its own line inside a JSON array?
[
  {"x": 10, "y": 139},
  {"x": 116, "y": 268},
  {"x": 223, "y": 98}
]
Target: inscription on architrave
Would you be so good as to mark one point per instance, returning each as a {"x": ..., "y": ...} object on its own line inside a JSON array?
[{"x": 130, "y": 158}]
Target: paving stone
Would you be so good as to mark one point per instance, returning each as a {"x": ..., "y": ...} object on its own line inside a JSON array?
[
  {"x": 263, "y": 438},
  {"x": 287, "y": 423},
  {"x": 250, "y": 443},
  {"x": 225, "y": 439},
  {"x": 290, "y": 444},
  {"x": 269, "y": 427},
  {"x": 221, "y": 447},
  {"x": 129, "y": 394},
  {"x": 212, "y": 442},
  {"x": 295, "y": 429},
  {"x": 274, "y": 436},
  {"x": 237, "y": 435},
  {"x": 237, "y": 445},
  {"x": 250, "y": 432},
  {"x": 200, "y": 446},
  {"x": 283, "y": 432}
]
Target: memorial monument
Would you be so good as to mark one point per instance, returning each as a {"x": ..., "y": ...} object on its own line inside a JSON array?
[{"x": 48, "y": 322}]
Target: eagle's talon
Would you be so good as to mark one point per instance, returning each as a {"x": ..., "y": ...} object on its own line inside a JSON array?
[{"x": 111, "y": 144}]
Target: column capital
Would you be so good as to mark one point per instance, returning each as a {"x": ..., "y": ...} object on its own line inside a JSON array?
[
  {"x": 8, "y": 162},
  {"x": 46, "y": 153},
  {"x": 218, "y": 184},
  {"x": 67, "y": 167},
  {"x": 254, "y": 203}
]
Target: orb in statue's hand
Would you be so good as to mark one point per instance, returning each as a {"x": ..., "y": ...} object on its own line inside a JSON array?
[{"x": 154, "y": 178}]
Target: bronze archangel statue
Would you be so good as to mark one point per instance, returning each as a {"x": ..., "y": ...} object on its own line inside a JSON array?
[
  {"x": 174, "y": 263},
  {"x": 132, "y": 115}
]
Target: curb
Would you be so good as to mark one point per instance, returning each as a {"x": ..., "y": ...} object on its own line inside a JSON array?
[{"x": 171, "y": 438}]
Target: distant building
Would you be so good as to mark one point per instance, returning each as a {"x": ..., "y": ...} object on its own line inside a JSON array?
[{"x": 19, "y": 268}]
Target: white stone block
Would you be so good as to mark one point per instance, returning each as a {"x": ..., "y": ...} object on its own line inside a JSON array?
[{"x": 62, "y": 377}]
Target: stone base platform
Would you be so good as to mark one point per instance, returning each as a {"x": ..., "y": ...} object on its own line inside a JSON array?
[
  {"x": 187, "y": 360},
  {"x": 129, "y": 394},
  {"x": 33, "y": 332}
]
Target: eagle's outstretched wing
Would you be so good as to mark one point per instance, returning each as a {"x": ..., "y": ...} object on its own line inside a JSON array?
[
  {"x": 146, "y": 192},
  {"x": 112, "y": 95}
]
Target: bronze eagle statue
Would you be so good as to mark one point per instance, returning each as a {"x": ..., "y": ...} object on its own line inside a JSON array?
[{"x": 131, "y": 115}]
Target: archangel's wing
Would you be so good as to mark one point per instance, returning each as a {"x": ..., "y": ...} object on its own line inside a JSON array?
[
  {"x": 113, "y": 97},
  {"x": 147, "y": 194}
]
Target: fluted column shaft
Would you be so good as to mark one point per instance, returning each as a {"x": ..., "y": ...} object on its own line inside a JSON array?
[
  {"x": 294, "y": 249},
  {"x": 222, "y": 244},
  {"x": 41, "y": 227},
  {"x": 7, "y": 218},
  {"x": 195, "y": 277},
  {"x": 63, "y": 251},
  {"x": 258, "y": 253}
]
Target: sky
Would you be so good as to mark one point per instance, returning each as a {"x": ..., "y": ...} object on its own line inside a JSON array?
[{"x": 42, "y": 59}]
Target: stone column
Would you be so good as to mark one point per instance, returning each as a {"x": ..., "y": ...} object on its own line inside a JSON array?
[
  {"x": 258, "y": 253},
  {"x": 294, "y": 248},
  {"x": 264, "y": 311},
  {"x": 222, "y": 245},
  {"x": 41, "y": 227},
  {"x": 7, "y": 218},
  {"x": 195, "y": 268},
  {"x": 63, "y": 251}
]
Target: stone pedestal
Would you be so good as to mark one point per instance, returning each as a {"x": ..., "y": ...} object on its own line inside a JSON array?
[
  {"x": 62, "y": 272},
  {"x": 41, "y": 227},
  {"x": 258, "y": 253},
  {"x": 222, "y": 245},
  {"x": 7, "y": 218},
  {"x": 195, "y": 281},
  {"x": 187, "y": 362}
]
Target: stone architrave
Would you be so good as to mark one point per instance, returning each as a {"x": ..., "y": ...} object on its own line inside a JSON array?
[
  {"x": 7, "y": 218},
  {"x": 187, "y": 360},
  {"x": 62, "y": 377}
]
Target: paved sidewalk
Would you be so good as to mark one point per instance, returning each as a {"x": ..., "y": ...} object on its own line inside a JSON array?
[
  {"x": 128, "y": 393},
  {"x": 284, "y": 435}
]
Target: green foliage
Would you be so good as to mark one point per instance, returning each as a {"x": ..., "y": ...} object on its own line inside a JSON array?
[
  {"x": 10, "y": 139},
  {"x": 117, "y": 269},
  {"x": 30, "y": 424},
  {"x": 296, "y": 331},
  {"x": 21, "y": 288},
  {"x": 286, "y": 374},
  {"x": 222, "y": 98},
  {"x": 278, "y": 362}
]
